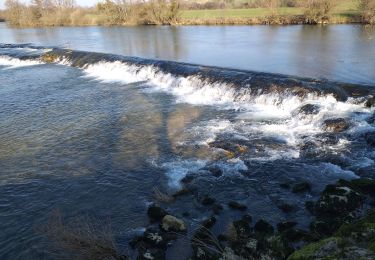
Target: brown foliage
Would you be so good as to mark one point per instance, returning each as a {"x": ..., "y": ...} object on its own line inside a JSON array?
[
  {"x": 318, "y": 11},
  {"x": 80, "y": 239},
  {"x": 367, "y": 8}
]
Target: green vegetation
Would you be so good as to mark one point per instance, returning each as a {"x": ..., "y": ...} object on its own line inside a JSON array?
[{"x": 180, "y": 12}]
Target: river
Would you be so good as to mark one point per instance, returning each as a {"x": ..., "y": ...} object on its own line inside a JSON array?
[{"x": 93, "y": 120}]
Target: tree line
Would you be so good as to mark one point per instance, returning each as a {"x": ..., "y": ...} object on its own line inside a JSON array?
[{"x": 159, "y": 12}]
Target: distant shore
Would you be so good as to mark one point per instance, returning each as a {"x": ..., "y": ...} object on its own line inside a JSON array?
[{"x": 111, "y": 14}]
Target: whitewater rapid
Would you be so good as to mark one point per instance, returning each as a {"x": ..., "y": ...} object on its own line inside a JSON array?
[{"x": 268, "y": 110}]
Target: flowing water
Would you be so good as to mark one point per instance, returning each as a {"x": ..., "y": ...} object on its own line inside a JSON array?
[{"x": 93, "y": 133}]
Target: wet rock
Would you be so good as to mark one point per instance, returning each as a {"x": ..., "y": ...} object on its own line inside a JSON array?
[
  {"x": 325, "y": 227},
  {"x": 279, "y": 247},
  {"x": 222, "y": 237},
  {"x": 217, "y": 208},
  {"x": 242, "y": 229},
  {"x": 201, "y": 252},
  {"x": 155, "y": 238},
  {"x": 301, "y": 187},
  {"x": 151, "y": 254},
  {"x": 156, "y": 213},
  {"x": 370, "y": 138},
  {"x": 263, "y": 227},
  {"x": 309, "y": 109},
  {"x": 188, "y": 178},
  {"x": 209, "y": 223},
  {"x": 237, "y": 206},
  {"x": 247, "y": 218},
  {"x": 362, "y": 185},
  {"x": 282, "y": 226},
  {"x": 336, "y": 125},
  {"x": 370, "y": 102},
  {"x": 171, "y": 223},
  {"x": 309, "y": 205},
  {"x": 338, "y": 201},
  {"x": 215, "y": 171},
  {"x": 207, "y": 201},
  {"x": 295, "y": 235}
]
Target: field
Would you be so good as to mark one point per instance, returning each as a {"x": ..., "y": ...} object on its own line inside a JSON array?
[{"x": 346, "y": 8}]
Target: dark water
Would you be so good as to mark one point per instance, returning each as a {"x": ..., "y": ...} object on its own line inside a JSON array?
[
  {"x": 94, "y": 134},
  {"x": 338, "y": 52}
]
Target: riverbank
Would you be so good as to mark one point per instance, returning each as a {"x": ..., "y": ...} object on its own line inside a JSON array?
[{"x": 345, "y": 12}]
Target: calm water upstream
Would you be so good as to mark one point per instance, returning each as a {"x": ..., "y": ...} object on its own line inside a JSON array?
[
  {"x": 339, "y": 52},
  {"x": 91, "y": 124}
]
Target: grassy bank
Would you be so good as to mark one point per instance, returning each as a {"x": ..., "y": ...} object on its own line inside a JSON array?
[{"x": 345, "y": 12}]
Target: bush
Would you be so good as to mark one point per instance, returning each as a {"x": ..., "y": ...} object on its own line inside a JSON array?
[
  {"x": 318, "y": 11},
  {"x": 367, "y": 8}
]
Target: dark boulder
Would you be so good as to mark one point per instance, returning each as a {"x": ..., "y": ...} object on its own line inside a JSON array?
[
  {"x": 370, "y": 102},
  {"x": 156, "y": 213},
  {"x": 282, "y": 226},
  {"x": 336, "y": 125},
  {"x": 262, "y": 227}
]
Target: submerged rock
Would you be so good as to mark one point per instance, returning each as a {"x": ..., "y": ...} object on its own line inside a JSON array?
[
  {"x": 301, "y": 187},
  {"x": 285, "y": 207},
  {"x": 336, "y": 125},
  {"x": 171, "y": 223},
  {"x": 215, "y": 171},
  {"x": 370, "y": 138},
  {"x": 207, "y": 201},
  {"x": 237, "y": 206},
  {"x": 217, "y": 208}
]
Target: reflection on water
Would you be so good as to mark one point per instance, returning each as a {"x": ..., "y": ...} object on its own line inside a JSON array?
[{"x": 338, "y": 52}]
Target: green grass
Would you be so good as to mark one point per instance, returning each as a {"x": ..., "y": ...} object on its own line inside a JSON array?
[
  {"x": 345, "y": 8},
  {"x": 237, "y": 13}
]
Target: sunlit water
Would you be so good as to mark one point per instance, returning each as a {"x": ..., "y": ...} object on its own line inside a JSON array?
[{"x": 93, "y": 134}]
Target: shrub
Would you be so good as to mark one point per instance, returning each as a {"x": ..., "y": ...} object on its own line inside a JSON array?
[
  {"x": 318, "y": 11},
  {"x": 367, "y": 8}
]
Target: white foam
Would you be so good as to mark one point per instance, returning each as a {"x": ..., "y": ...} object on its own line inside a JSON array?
[
  {"x": 15, "y": 63},
  {"x": 178, "y": 169}
]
